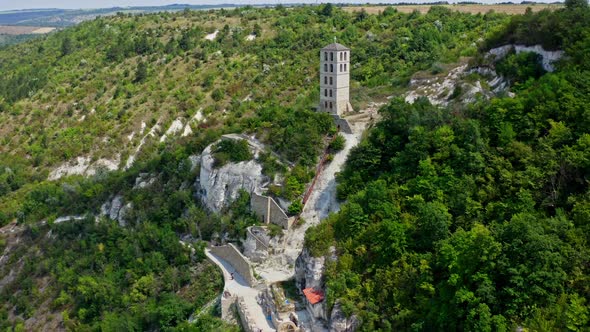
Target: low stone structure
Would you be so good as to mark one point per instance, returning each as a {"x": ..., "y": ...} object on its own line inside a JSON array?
[
  {"x": 257, "y": 243},
  {"x": 281, "y": 311},
  {"x": 232, "y": 255},
  {"x": 342, "y": 124},
  {"x": 265, "y": 208},
  {"x": 245, "y": 318},
  {"x": 228, "y": 302}
]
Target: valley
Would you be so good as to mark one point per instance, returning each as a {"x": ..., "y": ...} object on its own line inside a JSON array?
[{"x": 305, "y": 168}]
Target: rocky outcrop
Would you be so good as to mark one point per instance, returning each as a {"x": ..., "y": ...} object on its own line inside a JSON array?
[
  {"x": 116, "y": 209},
  {"x": 83, "y": 166},
  {"x": 256, "y": 244},
  {"x": 218, "y": 187},
  {"x": 309, "y": 273},
  {"x": 144, "y": 180},
  {"x": 454, "y": 87},
  {"x": 340, "y": 323},
  {"x": 309, "y": 270},
  {"x": 548, "y": 57},
  {"x": 174, "y": 129}
]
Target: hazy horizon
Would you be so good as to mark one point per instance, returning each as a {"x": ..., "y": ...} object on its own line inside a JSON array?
[{"x": 75, "y": 4}]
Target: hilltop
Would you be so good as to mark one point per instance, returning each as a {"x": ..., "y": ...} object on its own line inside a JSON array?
[{"x": 103, "y": 125}]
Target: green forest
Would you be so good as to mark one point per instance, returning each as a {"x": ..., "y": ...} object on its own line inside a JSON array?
[
  {"x": 467, "y": 218},
  {"x": 473, "y": 218}
]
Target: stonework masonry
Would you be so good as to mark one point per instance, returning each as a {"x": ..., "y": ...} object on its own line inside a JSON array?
[
  {"x": 335, "y": 79},
  {"x": 269, "y": 211},
  {"x": 228, "y": 303},
  {"x": 247, "y": 322},
  {"x": 261, "y": 241},
  {"x": 342, "y": 124},
  {"x": 232, "y": 255}
]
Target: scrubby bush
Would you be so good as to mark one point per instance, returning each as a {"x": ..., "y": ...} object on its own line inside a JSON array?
[
  {"x": 521, "y": 67},
  {"x": 231, "y": 150},
  {"x": 295, "y": 208},
  {"x": 337, "y": 143}
]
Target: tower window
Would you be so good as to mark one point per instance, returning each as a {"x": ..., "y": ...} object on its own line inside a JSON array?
[
  {"x": 326, "y": 79},
  {"x": 331, "y": 56},
  {"x": 341, "y": 67},
  {"x": 331, "y": 81},
  {"x": 331, "y": 68},
  {"x": 325, "y": 67},
  {"x": 345, "y": 55},
  {"x": 326, "y": 56},
  {"x": 341, "y": 53},
  {"x": 330, "y": 105},
  {"x": 344, "y": 67},
  {"x": 325, "y": 104},
  {"x": 330, "y": 92},
  {"x": 325, "y": 92}
]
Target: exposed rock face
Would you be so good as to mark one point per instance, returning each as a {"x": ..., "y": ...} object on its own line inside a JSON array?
[
  {"x": 174, "y": 129},
  {"x": 442, "y": 90},
  {"x": 340, "y": 323},
  {"x": 144, "y": 180},
  {"x": 218, "y": 187},
  {"x": 309, "y": 270},
  {"x": 82, "y": 166},
  {"x": 549, "y": 57},
  {"x": 256, "y": 244},
  {"x": 116, "y": 210},
  {"x": 309, "y": 273}
]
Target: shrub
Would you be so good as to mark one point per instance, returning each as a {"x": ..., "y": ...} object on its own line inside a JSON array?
[
  {"x": 520, "y": 67},
  {"x": 338, "y": 143},
  {"x": 231, "y": 150},
  {"x": 270, "y": 165},
  {"x": 295, "y": 208},
  {"x": 217, "y": 94},
  {"x": 274, "y": 230}
]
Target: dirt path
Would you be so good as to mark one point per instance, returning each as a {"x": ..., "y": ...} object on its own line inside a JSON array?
[
  {"x": 238, "y": 286},
  {"x": 322, "y": 201}
]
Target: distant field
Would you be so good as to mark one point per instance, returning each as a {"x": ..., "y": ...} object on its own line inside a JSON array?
[
  {"x": 23, "y": 30},
  {"x": 473, "y": 9}
]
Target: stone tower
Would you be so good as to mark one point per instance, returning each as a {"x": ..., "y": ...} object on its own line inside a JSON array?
[{"x": 335, "y": 79}]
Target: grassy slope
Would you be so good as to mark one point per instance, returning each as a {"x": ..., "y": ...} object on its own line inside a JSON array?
[{"x": 64, "y": 102}]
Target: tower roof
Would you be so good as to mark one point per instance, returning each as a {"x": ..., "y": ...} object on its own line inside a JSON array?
[{"x": 336, "y": 47}]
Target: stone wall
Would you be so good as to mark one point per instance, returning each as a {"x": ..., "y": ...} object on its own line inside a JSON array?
[
  {"x": 232, "y": 255},
  {"x": 246, "y": 320},
  {"x": 342, "y": 124},
  {"x": 268, "y": 211},
  {"x": 227, "y": 306},
  {"x": 259, "y": 235},
  {"x": 259, "y": 205}
]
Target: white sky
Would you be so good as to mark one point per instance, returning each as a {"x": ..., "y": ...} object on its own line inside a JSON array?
[{"x": 74, "y": 4}]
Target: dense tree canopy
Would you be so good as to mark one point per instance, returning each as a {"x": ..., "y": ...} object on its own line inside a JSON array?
[{"x": 472, "y": 218}]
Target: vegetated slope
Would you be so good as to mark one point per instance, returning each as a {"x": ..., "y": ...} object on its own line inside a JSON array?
[
  {"x": 472, "y": 219},
  {"x": 96, "y": 90},
  {"x": 88, "y": 90}
]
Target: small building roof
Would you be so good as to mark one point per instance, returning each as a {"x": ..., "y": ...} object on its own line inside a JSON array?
[
  {"x": 313, "y": 296},
  {"x": 336, "y": 47}
]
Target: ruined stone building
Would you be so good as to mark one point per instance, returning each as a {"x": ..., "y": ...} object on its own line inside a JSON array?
[{"x": 335, "y": 79}]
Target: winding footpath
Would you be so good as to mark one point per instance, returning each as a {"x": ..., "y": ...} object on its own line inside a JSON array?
[
  {"x": 281, "y": 266},
  {"x": 238, "y": 287}
]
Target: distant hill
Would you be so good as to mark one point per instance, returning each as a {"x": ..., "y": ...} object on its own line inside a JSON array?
[{"x": 67, "y": 17}]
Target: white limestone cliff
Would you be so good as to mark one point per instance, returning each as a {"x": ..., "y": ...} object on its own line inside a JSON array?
[
  {"x": 340, "y": 323},
  {"x": 218, "y": 187},
  {"x": 548, "y": 57}
]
